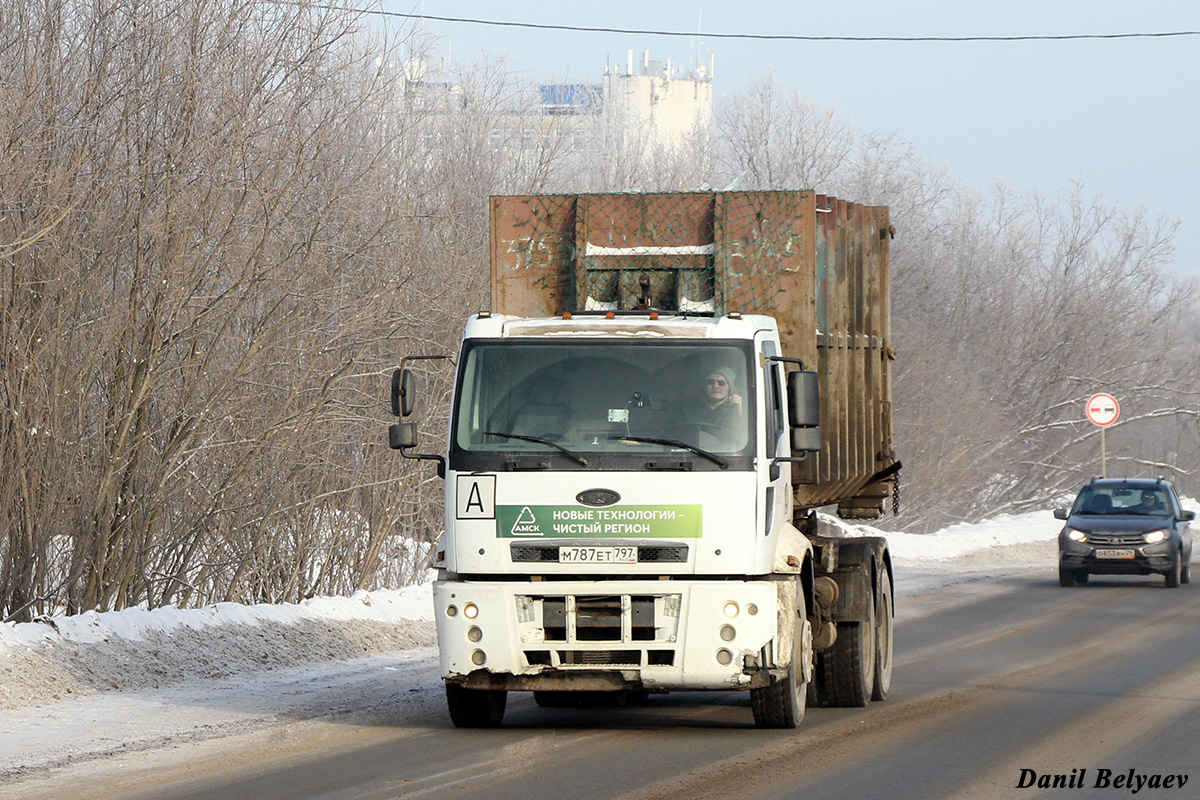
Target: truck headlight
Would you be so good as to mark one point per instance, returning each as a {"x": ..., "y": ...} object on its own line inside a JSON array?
[
  {"x": 1154, "y": 537},
  {"x": 470, "y": 611},
  {"x": 1076, "y": 536},
  {"x": 731, "y": 609}
]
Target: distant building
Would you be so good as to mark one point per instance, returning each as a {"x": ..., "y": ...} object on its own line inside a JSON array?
[
  {"x": 668, "y": 100},
  {"x": 647, "y": 100},
  {"x": 664, "y": 101}
]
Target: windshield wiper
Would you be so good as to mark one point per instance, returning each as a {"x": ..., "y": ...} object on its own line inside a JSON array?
[
  {"x": 578, "y": 459},
  {"x": 713, "y": 457}
]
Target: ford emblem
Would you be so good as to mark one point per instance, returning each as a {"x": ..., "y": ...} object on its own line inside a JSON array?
[{"x": 598, "y": 497}]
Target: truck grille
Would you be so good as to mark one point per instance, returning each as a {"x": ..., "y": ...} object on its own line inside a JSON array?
[
  {"x": 600, "y": 658},
  {"x": 600, "y": 619},
  {"x": 532, "y": 553}
]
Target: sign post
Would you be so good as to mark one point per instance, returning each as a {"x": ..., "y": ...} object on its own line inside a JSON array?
[{"x": 1102, "y": 410}]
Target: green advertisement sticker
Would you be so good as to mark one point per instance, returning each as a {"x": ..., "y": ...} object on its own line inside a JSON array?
[{"x": 647, "y": 522}]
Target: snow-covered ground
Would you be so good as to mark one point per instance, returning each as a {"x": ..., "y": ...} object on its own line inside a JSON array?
[{"x": 94, "y": 687}]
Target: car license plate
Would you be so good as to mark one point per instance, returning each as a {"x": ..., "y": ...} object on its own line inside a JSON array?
[
  {"x": 597, "y": 555},
  {"x": 1115, "y": 553}
]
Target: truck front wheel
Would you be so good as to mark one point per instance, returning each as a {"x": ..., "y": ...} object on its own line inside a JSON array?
[
  {"x": 475, "y": 708},
  {"x": 782, "y": 703}
]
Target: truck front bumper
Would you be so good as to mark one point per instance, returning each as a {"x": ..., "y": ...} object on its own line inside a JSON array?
[{"x": 625, "y": 634}]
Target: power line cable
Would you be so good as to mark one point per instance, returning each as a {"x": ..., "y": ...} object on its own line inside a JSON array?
[{"x": 770, "y": 36}]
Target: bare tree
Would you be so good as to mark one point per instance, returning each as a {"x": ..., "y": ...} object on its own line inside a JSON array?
[
  {"x": 772, "y": 137},
  {"x": 198, "y": 248}
]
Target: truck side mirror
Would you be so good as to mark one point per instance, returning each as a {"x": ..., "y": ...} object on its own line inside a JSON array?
[
  {"x": 1061, "y": 513},
  {"x": 404, "y": 393},
  {"x": 402, "y": 435},
  {"x": 806, "y": 440},
  {"x": 804, "y": 399}
]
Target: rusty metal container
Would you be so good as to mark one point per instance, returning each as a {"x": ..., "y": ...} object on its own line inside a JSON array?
[{"x": 817, "y": 264}]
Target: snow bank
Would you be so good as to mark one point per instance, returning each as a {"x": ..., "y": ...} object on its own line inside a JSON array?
[
  {"x": 138, "y": 624},
  {"x": 958, "y": 540},
  {"x": 56, "y": 658}
]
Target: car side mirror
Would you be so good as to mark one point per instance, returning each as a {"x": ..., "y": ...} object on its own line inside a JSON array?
[
  {"x": 1187, "y": 516},
  {"x": 1061, "y": 513}
]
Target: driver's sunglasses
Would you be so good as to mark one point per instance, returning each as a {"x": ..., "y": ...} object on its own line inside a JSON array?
[{"x": 716, "y": 382}]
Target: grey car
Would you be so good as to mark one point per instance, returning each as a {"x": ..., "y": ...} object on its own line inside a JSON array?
[{"x": 1125, "y": 526}]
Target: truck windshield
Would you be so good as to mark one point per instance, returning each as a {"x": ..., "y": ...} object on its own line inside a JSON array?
[{"x": 604, "y": 399}]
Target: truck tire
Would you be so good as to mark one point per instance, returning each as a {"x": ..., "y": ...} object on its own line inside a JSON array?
[
  {"x": 850, "y": 664},
  {"x": 781, "y": 704},
  {"x": 817, "y": 693},
  {"x": 883, "y": 640},
  {"x": 475, "y": 708}
]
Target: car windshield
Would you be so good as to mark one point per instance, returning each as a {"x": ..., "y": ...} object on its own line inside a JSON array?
[
  {"x": 604, "y": 398},
  {"x": 1106, "y": 500}
]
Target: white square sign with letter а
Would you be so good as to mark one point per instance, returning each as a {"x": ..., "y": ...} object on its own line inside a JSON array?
[{"x": 476, "y": 497}]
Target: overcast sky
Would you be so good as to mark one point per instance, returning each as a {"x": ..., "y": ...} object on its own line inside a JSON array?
[{"x": 1119, "y": 114}]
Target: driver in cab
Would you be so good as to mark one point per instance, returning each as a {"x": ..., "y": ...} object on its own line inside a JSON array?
[{"x": 719, "y": 409}]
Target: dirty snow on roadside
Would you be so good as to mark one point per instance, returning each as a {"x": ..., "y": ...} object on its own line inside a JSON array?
[{"x": 94, "y": 685}]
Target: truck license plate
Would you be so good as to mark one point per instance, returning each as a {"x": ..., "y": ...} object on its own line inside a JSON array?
[
  {"x": 597, "y": 555},
  {"x": 1114, "y": 553}
]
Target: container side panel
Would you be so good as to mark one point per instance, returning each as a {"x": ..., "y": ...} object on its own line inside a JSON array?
[
  {"x": 765, "y": 262},
  {"x": 532, "y": 252}
]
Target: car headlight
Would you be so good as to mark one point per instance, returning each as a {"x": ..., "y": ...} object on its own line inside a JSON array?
[
  {"x": 1076, "y": 536},
  {"x": 1154, "y": 537}
]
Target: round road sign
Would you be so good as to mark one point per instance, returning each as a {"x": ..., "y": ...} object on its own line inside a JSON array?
[{"x": 1102, "y": 409}]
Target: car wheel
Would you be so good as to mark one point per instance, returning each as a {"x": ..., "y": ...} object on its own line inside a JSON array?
[
  {"x": 1066, "y": 577},
  {"x": 1173, "y": 573},
  {"x": 1185, "y": 572},
  {"x": 1081, "y": 576}
]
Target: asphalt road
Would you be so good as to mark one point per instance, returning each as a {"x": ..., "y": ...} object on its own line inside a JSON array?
[{"x": 997, "y": 681}]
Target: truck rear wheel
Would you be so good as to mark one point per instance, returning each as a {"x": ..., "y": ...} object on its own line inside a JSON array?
[
  {"x": 849, "y": 665},
  {"x": 475, "y": 708},
  {"x": 883, "y": 640},
  {"x": 782, "y": 703}
]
